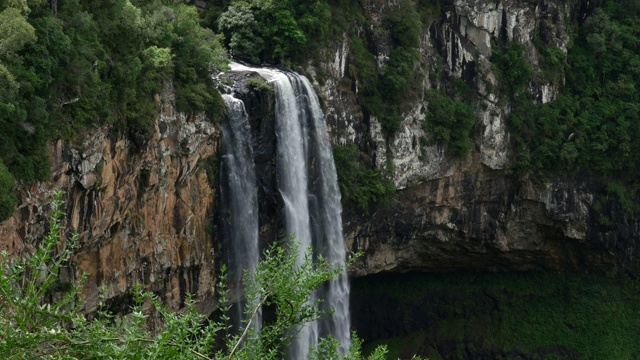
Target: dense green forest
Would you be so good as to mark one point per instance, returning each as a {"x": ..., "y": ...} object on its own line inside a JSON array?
[
  {"x": 593, "y": 125},
  {"x": 68, "y": 66}
]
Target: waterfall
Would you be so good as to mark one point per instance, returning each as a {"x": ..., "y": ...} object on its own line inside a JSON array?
[
  {"x": 239, "y": 196},
  {"x": 308, "y": 185}
]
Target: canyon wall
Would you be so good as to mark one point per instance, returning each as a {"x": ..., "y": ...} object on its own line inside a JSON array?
[{"x": 474, "y": 212}]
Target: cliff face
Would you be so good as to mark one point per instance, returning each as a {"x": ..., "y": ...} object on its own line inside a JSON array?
[
  {"x": 485, "y": 221},
  {"x": 146, "y": 216},
  {"x": 458, "y": 42},
  {"x": 143, "y": 216},
  {"x": 473, "y": 213}
]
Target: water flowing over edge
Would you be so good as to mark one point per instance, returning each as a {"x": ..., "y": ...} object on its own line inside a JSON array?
[
  {"x": 239, "y": 196},
  {"x": 308, "y": 184}
]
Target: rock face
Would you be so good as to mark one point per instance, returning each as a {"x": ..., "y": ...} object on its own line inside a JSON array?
[
  {"x": 144, "y": 217},
  {"x": 472, "y": 213},
  {"x": 490, "y": 222},
  {"x": 461, "y": 39}
]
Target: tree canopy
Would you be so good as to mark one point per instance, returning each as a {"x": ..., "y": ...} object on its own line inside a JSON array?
[{"x": 94, "y": 63}]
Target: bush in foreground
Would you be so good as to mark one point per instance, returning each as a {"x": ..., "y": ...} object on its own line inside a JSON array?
[{"x": 42, "y": 318}]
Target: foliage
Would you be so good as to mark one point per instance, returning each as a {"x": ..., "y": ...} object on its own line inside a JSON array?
[
  {"x": 97, "y": 62},
  {"x": 15, "y": 32},
  {"x": 552, "y": 62},
  {"x": 515, "y": 71},
  {"x": 362, "y": 65},
  {"x": 429, "y": 10},
  {"x": 621, "y": 193},
  {"x": 328, "y": 349},
  {"x": 359, "y": 186},
  {"x": 20, "y": 141},
  {"x": 42, "y": 317},
  {"x": 345, "y": 15},
  {"x": 592, "y": 126},
  {"x": 26, "y": 320},
  {"x": 7, "y": 195},
  {"x": 258, "y": 83},
  {"x": 394, "y": 86},
  {"x": 240, "y": 23},
  {"x": 275, "y": 31},
  {"x": 450, "y": 121}
]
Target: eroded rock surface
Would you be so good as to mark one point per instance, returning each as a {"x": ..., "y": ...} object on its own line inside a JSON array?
[
  {"x": 144, "y": 217},
  {"x": 485, "y": 221}
]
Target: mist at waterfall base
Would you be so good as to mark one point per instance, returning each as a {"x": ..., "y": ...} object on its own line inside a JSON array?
[{"x": 307, "y": 182}]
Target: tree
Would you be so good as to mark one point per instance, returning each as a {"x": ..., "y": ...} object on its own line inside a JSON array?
[
  {"x": 241, "y": 28},
  {"x": 15, "y": 32},
  {"x": 7, "y": 188},
  {"x": 291, "y": 28},
  {"x": 41, "y": 316}
]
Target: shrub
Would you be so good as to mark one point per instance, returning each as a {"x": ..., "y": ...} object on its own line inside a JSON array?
[
  {"x": 359, "y": 186},
  {"x": 41, "y": 317},
  {"x": 451, "y": 122},
  {"x": 514, "y": 70},
  {"x": 7, "y": 195},
  {"x": 258, "y": 83}
]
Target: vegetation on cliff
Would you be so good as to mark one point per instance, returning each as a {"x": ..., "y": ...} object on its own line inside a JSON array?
[
  {"x": 359, "y": 186},
  {"x": 451, "y": 121},
  {"x": 388, "y": 93},
  {"x": 7, "y": 187},
  {"x": 592, "y": 127},
  {"x": 72, "y": 65}
]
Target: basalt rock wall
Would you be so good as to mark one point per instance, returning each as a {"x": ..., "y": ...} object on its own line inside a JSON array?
[
  {"x": 473, "y": 212},
  {"x": 484, "y": 221},
  {"x": 144, "y": 216}
]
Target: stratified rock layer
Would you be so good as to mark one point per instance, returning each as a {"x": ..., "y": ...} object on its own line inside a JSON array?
[{"x": 487, "y": 221}]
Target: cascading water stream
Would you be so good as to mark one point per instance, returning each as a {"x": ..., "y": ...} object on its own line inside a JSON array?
[
  {"x": 239, "y": 196},
  {"x": 329, "y": 239},
  {"x": 308, "y": 184}
]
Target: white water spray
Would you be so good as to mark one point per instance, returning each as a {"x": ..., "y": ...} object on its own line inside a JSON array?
[
  {"x": 239, "y": 196},
  {"x": 308, "y": 184}
]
